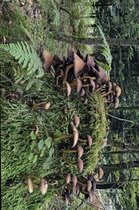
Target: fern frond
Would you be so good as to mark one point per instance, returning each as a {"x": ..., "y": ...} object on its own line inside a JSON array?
[
  {"x": 106, "y": 52},
  {"x": 29, "y": 60}
]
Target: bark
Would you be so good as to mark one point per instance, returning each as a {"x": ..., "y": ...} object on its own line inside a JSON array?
[
  {"x": 123, "y": 145},
  {"x": 120, "y": 152},
  {"x": 97, "y": 41},
  {"x": 114, "y": 185},
  {"x": 120, "y": 166}
]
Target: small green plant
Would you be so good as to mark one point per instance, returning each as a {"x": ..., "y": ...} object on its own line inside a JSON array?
[{"x": 27, "y": 57}]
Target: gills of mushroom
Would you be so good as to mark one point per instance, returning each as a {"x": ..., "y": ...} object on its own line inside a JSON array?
[
  {"x": 68, "y": 178},
  {"x": 47, "y": 59},
  {"x": 80, "y": 165},
  {"x": 44, "y": 186},
  {"x": 30, "y": 185},
  {"x": 80, "y": 151},
  {"x": 78, "y": 64},
  {"x": 76, "y": 121}
]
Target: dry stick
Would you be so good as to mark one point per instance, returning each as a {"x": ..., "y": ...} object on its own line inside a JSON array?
[{"x": 121, "y": 119}]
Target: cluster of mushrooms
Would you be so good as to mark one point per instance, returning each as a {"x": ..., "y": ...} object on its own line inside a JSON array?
[
  {"x": 80, "y": 74},
  {"x": 81, "y": 185}
]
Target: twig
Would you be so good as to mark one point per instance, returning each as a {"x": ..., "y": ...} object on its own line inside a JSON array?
[{"x": 121, "y": 119}]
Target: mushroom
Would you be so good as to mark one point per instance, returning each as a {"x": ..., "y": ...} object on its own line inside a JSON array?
[
  {"x": 30, "y": 185},
  {"x": 89, "y": 140},
  {"x": 116, "y": 102},
  {"x": 47, "y": 105},
  {"x": 68, "y": 178},
  {"x": 79, "y": 85},
  {"x": 100, "y": 173},
  {"x": 44, "y": 186},
  {"x": 89, "y": 185},
  {"x": 75, "y": 134},
  {"x": 68, "y": 87},
  {"x": 80, "y": 165},
  {"x": 82, "y": 92},
  {"x": 78, "y": 64},
  {"x": 117, "y": 91},
  {"x": 74, "y": 180},
  {"x": 47, "y": 59},
  {"x": 76, "y": 121},
  {"x": 80, "y": 151}
]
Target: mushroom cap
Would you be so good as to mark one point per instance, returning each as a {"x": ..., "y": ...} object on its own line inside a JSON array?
[
  {"x": 118, "y": 91},
  {"x": 116, "y": 102},
  {"x": 30, "y": 185},
  {"x": 90, "y": 60},
  {"x": 100, "y": 173},
  {"x": 76, "y": 121},
  {"x": 68, "y": 178},
  {"x": 89, "y": 140},
  {"x": 80, "y": 151},
  {"x": 75, "y": 135},
  {"x": 68, "y": 87},
  {"x": 47, "y": 60},
  {"x": 44, "y": 186},
  {"x": 78, "y": 64},
  {"x": 80, "y": 165},
  {"x": 74, "y": 180}
]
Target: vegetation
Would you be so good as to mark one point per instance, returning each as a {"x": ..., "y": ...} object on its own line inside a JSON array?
[{"x": 35, "y": 133}]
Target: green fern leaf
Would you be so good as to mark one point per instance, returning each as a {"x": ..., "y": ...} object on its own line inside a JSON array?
[{"x": 27, "y": 57}]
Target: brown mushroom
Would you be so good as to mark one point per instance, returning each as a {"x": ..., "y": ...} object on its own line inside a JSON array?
[
  {"x": 80, "y": 165},
  {"x": 68, "y": 178},
  {"x": 76, "y": 121},
  {"x": 80, "y": 151},
  {"x": 89, "y": 140},
  {"x": 89, "y": 185},
  {"x": 117, "y": 91},
  {"x": 116, "y": 102},
  {"x": 78, "y": 64},
  {"x": 47, "y": 60},
  {"x": 44, "y": 186},
  {"x": 100, "y": 173},
  {"x": 68, "y": 87},
  {"x": 74, "y": 180},
  {"x": 30, "y": 185},
  {"x": 75, "y": 134}
]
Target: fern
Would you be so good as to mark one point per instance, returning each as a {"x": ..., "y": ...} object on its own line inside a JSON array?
[
  {"x": 27, "y": 57},
  {"x": 106, "y": 52}
]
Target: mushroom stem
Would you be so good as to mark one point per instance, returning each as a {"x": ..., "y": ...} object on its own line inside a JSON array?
[
  {"x": 66, "y": 73},
  {"x": 107, "y": 93}
]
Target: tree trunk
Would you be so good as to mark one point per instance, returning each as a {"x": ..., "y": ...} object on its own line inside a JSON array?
[
  {"x": 97, "y": 41},
  {"x": 113, "y": 185},
  {"x": 123, "y": 145},
  {"x": 120, "y": 152},
  {"x": 120, "y": 166}
]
